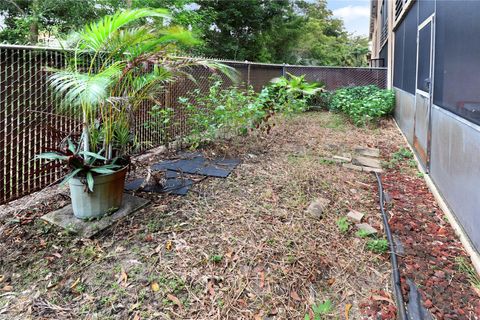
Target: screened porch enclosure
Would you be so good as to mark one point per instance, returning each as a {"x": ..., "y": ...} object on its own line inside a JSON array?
[{"x": 436, "y": 68}]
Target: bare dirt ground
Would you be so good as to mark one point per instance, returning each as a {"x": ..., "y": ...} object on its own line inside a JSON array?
[{"x": 244, "y": 247}]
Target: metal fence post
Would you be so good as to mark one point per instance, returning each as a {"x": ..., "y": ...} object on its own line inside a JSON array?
[{"x": 248, "y": 73}]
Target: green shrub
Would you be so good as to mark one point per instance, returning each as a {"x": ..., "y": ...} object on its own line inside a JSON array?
[
  {"x": 233, "y": 110},
  {"x": 363, "y": 104},
  {"x": 220, "y": 111}
]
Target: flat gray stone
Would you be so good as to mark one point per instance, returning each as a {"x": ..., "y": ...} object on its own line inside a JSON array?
[
  {"x": 369, "y": 152},
  {"x": 352, "y": 166},
  {"x": 64, "y": 217},
  {"x": 367, "y": 162},
  {"x": 342, "y": 159},
  {"x": 355, "y": 216},
  {"x": 388, "y": 198},
  {"x": 317, "y": 207},
  {"x": 368, "y": 229}
]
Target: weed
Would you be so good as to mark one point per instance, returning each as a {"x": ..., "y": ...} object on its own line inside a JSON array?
[
  {"x": 173, "y": 285},
  {"x": 420, "y": 174},
  {"x": 362, "y": 234},
  {"x": 142, "y": 295},
  {"x": 291, "y": 259},
  {"x": 320, "y": 310},
  {"x": 326, "y": 161},
  {"x": 119, "y": 289},
  {"x": 412, "y": 163},
  {"x": 106, "y": 300},
  {"x": 377, "y": 245},
  {"x": 89, "y": 252},
  {"x": 216, "y": 258},
  {"x": 80, "y": 288},
  {"x": 154, "y": 225},
  {"x": 465, "y": 267},
  {"x": 44, "y": 226},
  {"x": 403, "y": 153},
  {"x": 399, "y": 156},
  {"x": 343, "y": 224}
]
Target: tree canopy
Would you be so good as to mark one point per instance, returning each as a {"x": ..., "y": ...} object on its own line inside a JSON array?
[{"x": 276, "y": 31}]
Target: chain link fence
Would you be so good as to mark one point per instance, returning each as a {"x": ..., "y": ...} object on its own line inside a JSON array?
[{"x": 31, "y": 122}]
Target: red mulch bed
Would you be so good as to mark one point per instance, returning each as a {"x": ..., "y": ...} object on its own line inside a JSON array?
[{"x": 431, "y": 247}]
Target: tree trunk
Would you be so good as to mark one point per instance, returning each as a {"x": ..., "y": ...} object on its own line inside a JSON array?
[
  {"x": 85, "y": 138},
  {"x": 33, "y": 34}
]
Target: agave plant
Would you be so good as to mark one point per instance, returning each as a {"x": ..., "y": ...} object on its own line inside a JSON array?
[{"x": 118, "y": 63}]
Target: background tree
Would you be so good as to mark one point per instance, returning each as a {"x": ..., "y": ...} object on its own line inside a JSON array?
[
  {"x": 25, "y": 20},
  {"x": 275, "y": 31}
]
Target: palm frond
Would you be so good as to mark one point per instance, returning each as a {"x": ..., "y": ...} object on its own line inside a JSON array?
[
  {"x": 178, "y": 35},
  {"x": 96, "y": 36},
  {"x": 80, "y": 89}
]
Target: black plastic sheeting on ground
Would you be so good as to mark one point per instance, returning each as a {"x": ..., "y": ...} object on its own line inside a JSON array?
[
  {"x": 189, "y": 163},
  {"x": 174, "y": 184},
  {"x": 415, "y": 309},
  {"x": 196, "y": 163}
]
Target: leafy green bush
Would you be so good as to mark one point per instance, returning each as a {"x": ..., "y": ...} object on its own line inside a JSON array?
[
  {"x": 363, "y": 104},
  {"x": 294, "y": 93},
  {"x": 220, "y": 111}
]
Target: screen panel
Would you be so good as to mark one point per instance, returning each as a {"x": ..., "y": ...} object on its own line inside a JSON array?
[
  {"x": 424, "y": 58},
  {"x": 457, "y": 58},
  {"x": 398, "y": 64},
  {"x": 405, "y": 59},
  {"x": 410, "y": 47},
  {"x": 384, "y": 54}
]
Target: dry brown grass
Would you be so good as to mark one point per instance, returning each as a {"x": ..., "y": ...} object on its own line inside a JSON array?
[{"x": 239, "y": 248}]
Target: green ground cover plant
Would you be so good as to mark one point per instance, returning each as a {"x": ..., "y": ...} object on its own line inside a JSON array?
[{"x": 365, "y": 104}]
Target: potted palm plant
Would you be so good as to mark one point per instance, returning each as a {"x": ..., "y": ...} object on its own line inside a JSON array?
[{"x": 118, "y": 63}]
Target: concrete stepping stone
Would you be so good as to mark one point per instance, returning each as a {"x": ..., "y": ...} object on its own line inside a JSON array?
[
  {"x": 65, "y": 219},
  {"x": 367, "y": 162},
  {"x": 369, "y": 152}
]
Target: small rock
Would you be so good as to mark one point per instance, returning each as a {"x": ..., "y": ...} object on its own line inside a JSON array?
[
  {"x": 388, "y": 198},
  {"x": 399, "y": 249},
  {"x": 368, "y": 229},
  {"x": 440, "y": 274},
  {"x": 355, "y": 216},
  {"x": 317, "y": 206}
]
